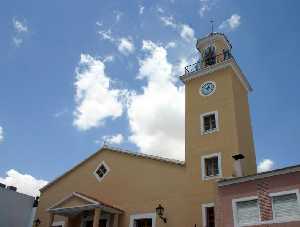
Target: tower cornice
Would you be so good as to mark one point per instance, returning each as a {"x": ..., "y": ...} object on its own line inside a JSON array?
[{"x": 210, "y": 69}]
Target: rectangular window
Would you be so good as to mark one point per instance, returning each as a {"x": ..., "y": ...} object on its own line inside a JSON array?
[
  {"x": 286, "y": 207},
  {"x": 211, "y": 166},
  {"x": 247, "y": 212},
  {"x": 147, "y": 222},
  {"x": 209, "y": 122},
  {"x": 208, "y": 215}
]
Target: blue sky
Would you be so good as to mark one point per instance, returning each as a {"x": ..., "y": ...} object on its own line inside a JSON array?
[{"x": 68, "y": 69}]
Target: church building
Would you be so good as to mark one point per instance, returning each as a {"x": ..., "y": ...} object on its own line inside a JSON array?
[{"x": 119, "y": 188}]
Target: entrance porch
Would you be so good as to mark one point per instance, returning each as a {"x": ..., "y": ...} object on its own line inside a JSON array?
[{"x": 80, "y": 210}]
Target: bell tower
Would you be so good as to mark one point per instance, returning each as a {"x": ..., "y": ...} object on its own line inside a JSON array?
[{"x": 219, "y": 140}]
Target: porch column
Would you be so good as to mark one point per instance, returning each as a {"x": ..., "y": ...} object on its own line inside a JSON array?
[
  {"x": 67, "y": 222},
  {"x": 51, "y": 218},
  {"x": 116, "y": 220},
  {"x": 97, "y": 214}
]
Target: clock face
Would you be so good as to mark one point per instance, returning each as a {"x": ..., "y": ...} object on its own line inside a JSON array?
[{"x": 207, "y": 88}]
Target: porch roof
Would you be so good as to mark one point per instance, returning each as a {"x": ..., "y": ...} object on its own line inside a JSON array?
[{"x": 84, "y": 203}]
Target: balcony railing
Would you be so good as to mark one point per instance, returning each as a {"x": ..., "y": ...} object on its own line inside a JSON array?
[{"x": 208, "y": 62}]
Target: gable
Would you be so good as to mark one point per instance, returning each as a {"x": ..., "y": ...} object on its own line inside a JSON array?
[
  {"x": 122, "y": 154},
  {"x": 72, "y": 202}
]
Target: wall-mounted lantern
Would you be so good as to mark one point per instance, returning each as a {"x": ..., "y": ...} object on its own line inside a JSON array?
[{"x": 160, "y": 212}]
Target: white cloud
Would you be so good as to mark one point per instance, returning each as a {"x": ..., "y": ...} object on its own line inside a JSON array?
[
  {"x": 95, "y": 98},
  {"x": 205, "y": 6},
  {"x": 141, "y": 10},
  {"x": 187, "y": 33},
  {"x": 60, "y": 113},
  {"x": 265, "y": 165},
  {"x": 168, "y": 21},
  {"x": 170, "y": 45},
  {"x": 17, "y": 41},
  {"x": 118, "y": 15},
  {"x": 25, "y": 183},
  {"x": 160, "y": 10},
  {"x": 125, "y": 46},
  {"x": 113, "y": 139},
  {"x": 20, "y": 26},
  {"x": 231, "y": 23},
  {"x": 1, "y": 134},
  {"x": 106, "y": 35},
  {"x": 157, "y": 114}
]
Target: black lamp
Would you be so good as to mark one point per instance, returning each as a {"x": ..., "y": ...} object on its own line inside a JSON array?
[
  {"x": 160, "y": 212},
  {"x": 37, "y": 222}
]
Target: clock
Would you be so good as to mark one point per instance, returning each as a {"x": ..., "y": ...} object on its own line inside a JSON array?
[{"x": 207, "y": 88}]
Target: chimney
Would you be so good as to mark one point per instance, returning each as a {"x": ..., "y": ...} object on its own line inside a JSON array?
[
  {"x": 12, "y": 188},
  {"x": 2, "y": 185},
  {"x": 238, "y": 171}
]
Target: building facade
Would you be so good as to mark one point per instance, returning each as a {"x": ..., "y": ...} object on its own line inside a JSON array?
[
  {"x": 269, "y": 199},
  {"x": 117, "y": 188},
  {"x": 16, "y": 209}
]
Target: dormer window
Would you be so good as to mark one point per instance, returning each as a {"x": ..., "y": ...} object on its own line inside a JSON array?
[{"x": 101, "y": 171}]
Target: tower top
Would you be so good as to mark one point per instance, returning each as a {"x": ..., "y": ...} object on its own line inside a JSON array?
[
  {"x": 215, "y": 54},
  {"x": 212, "y": 38}
]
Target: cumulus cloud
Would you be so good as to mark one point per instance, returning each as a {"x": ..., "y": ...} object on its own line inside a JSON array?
[
  {"x": 157, "y": 114},
  {"x": 20, "y": 26},
  {"x": 1, "y": 134},
  {"x": 25, "y": 183},
  {"x": 118, "y": 14},
  {"x": 231, "y": 23},
  {"x": 185, "y": 31},
  {"x": 205, "y": 6},
  {"x": 113, "y": 139},
  {"x": 125, "y": 46},
  {"x": 95, "y": 98},
  {"x": 265, "y": 165},
  {"x": 141, "y": 9},
  {"x": 168, "y": 21},
  {"x": 20, "y": 29}
]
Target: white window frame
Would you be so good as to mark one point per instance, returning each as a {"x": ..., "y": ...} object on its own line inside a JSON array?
[
  {"x": 203, "y": 169},
  {"x": 143, "y": 216},
  {"x": 203, "y": 132},
  {"x": 58, "y": 223},
  {"x": 95, "y": 171},
  {"x": 274, "y": 194},
  {"x": 234, "y": 210},
  {"x": 204, "y": 215}
]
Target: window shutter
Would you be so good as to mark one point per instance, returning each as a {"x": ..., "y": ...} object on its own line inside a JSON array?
[
  {"x": 247, "y": 212},
  {"x": 286, "y": 207}
]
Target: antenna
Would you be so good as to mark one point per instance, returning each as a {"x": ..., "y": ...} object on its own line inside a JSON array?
[{"x": 212, "y": 26}]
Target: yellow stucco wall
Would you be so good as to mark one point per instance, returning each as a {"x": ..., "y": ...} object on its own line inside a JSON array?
[{"x": 138, "y": 185}]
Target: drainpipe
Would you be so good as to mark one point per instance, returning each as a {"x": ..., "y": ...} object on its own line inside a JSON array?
[{"x": 33, "y": 212}]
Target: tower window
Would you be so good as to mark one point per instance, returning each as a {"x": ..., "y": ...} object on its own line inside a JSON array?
[
  {"x": 211, "y": 166},
  {"x": 209, "y": 122},
  {"x": 101, "y": 171}
]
